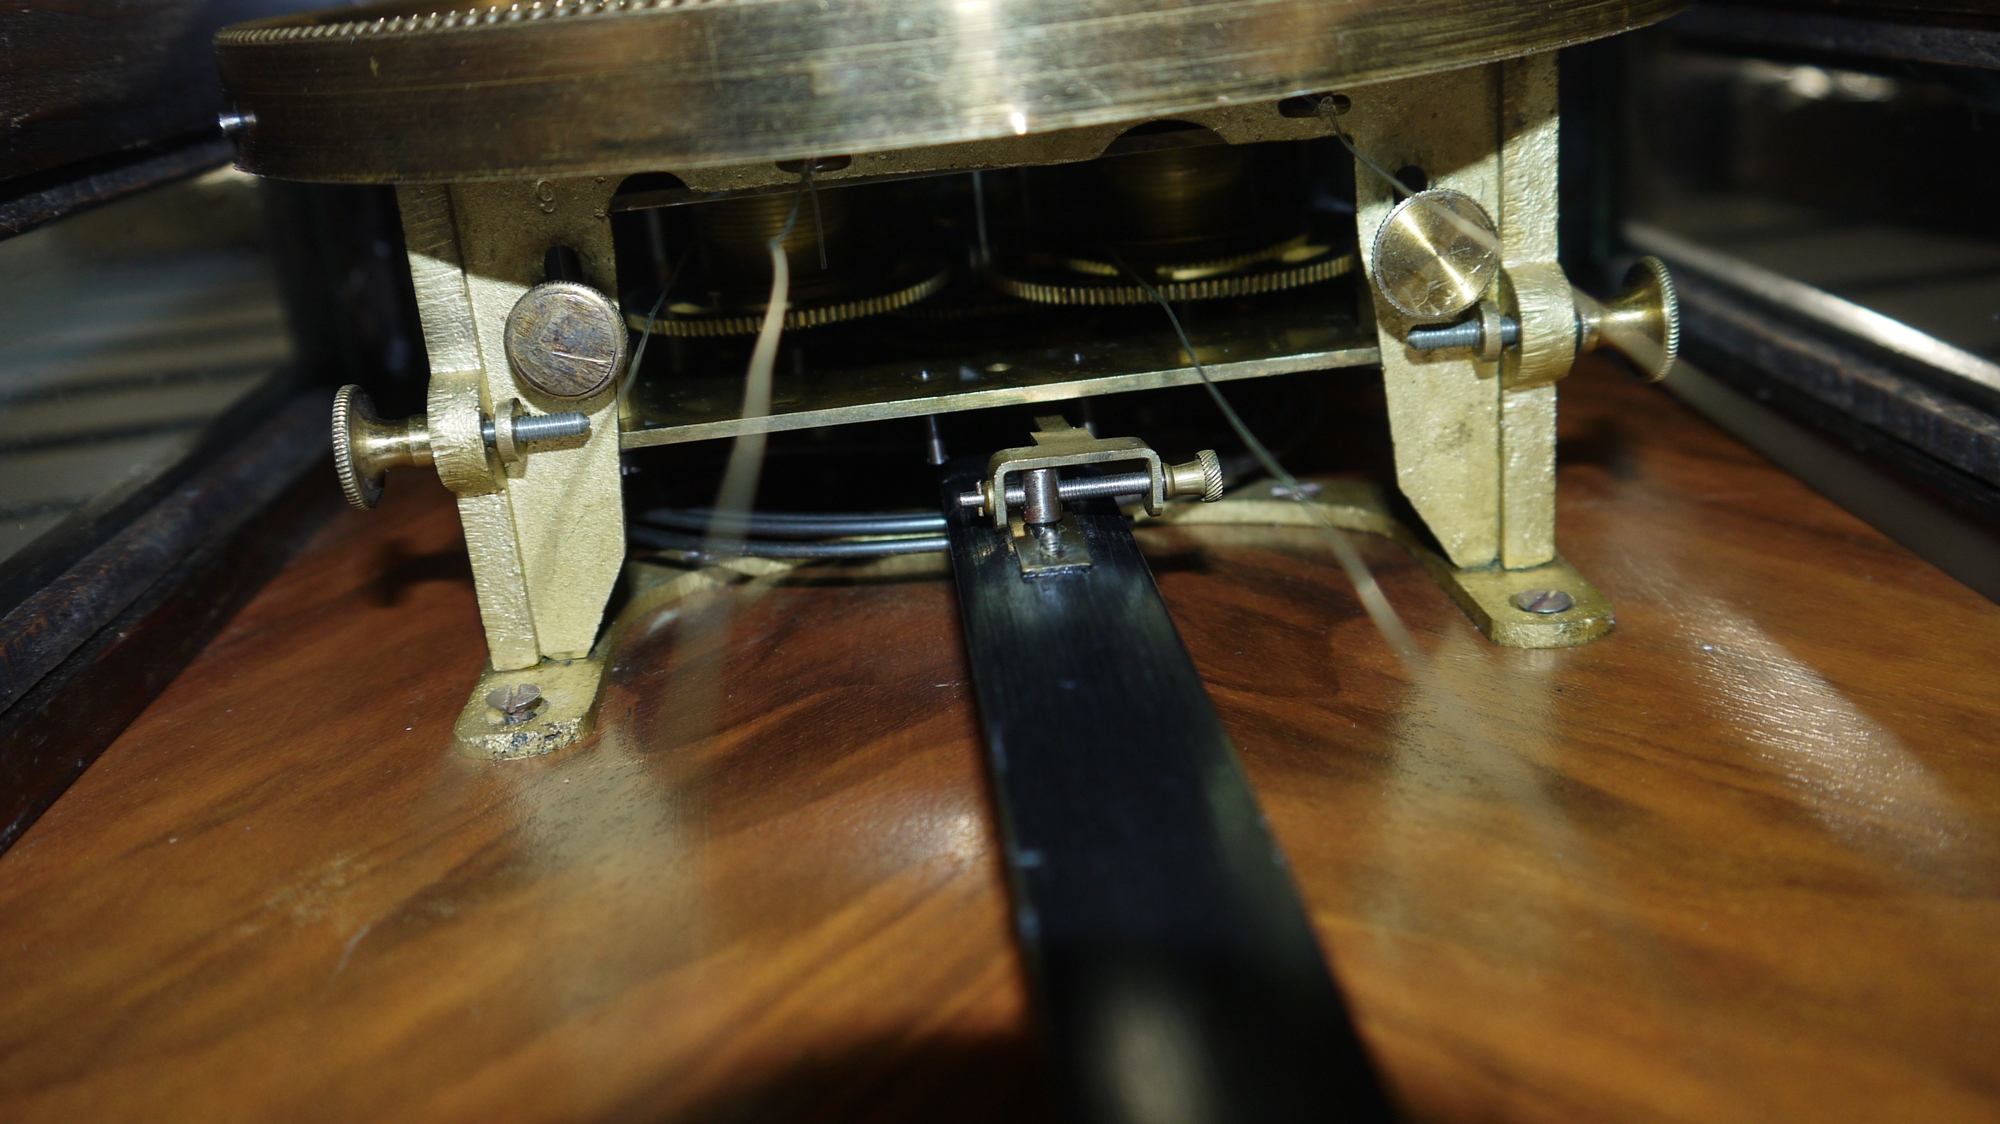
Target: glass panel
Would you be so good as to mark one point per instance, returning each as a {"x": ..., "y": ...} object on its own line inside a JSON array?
[
  {"x": 124, "y": 332},
  {"x": 1865, "y": 185}
]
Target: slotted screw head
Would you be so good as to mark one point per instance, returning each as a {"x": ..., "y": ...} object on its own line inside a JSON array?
[
  {"x": 1544, "y": 601},
  {"x": 516, "y": 704}
]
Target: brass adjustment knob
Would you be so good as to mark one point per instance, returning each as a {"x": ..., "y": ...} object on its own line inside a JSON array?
[
  {"x": 1435, "y": 255},
  {"x": 365, "y": 447},
  {"x": 1643, "y": 322},
  {"x": 1201, "y": 476}
]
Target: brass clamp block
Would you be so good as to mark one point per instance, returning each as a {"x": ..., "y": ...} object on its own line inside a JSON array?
[
  {"x": 366, "y": 447},
  {"x": 1040, "y": 493},
  {"x": 1049, "y": 541},
  {"x": 1438, "y": 253},
  {"x": 1643, "y": 322}
]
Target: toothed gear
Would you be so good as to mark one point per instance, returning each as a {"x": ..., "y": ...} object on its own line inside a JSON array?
[
  {"x": 796, "y": 319},
  {"x": 1212, "y": 288}
]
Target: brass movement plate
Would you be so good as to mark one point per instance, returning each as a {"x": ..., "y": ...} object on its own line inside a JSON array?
[
  {"x": 406, "y": 92},
  {"x": 666, "y": 411}
]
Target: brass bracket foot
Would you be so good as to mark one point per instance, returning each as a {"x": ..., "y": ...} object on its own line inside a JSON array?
[
  {"x": 553, "y": 705},
  {"x": 535, "y": 710},
  {"x": 1546, "y": 606}
]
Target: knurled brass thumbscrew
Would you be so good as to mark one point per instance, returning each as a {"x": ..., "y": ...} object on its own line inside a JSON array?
[
  {"x": 366, "y": 447},
  {"x": 1643, "y": 322}
]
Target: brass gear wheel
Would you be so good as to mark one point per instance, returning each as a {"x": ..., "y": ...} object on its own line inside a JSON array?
[
  {"x": 708, "y": 326},
  {"x": 1207, "y": 288}
]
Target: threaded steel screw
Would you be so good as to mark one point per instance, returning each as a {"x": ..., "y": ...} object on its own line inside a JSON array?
[
  {"x": 531, "y": 429},
  {"x": 1467, "y": 333}
]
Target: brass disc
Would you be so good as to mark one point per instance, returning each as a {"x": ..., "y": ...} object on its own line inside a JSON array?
[
  {"x": 1435, "y": 255},
  {"x": 407, "y": 92},
  {"x": 796, "y": 318}
]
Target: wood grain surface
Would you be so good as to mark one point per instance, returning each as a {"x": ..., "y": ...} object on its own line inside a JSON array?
[{"x": 1736, "y": 862}]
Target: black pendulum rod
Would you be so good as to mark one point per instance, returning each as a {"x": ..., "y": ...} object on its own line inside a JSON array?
[{"x": 1175, "y": 974}]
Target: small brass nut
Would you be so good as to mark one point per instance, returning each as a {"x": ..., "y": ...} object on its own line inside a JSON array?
[
  {"x": 565, "y": 339},
  {"x": 1435, "y": 255}
]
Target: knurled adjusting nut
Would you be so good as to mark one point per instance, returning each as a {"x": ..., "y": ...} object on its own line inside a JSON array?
[{"x": 1201, "y": 476}]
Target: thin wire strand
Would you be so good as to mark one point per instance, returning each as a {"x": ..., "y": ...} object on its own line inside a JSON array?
[
  {"x": 1484, "y": 237},
  {"x": 646, "y": 334},
  {"x": 1369, "y": 164},
  {"x": 1373, "y": 601},
  {"x": 746, "y": 458},
  {"x": 819, "y": 227}
]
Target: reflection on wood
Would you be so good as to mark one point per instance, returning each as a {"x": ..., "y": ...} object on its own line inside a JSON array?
[{"x": 1735, "y": 862}]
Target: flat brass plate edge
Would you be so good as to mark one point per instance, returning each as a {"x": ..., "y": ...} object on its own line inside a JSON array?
[
  {"x": 360, "y": 95},
  {"x": 988, "y": 397},
  {"x": 1484, "y": 594}
]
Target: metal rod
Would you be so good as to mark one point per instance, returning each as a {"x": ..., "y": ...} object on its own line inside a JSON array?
[
  {"x": 531, "y": 429},
  {"x": 1469, "y": 333},
  {"x": 934, "y": 450},
  {"x": 1082, "y": 488},
  {"x": 660, "y": 539},
  {"x": 797, "y": 525}
]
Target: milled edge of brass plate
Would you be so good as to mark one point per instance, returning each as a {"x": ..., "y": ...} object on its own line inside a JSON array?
[
  {"x": 1208, "y": 288},
  {"x": 1485, "y": 595},
  {"x": 796, "y": 319},
  {"x": 395, "y": 93}
]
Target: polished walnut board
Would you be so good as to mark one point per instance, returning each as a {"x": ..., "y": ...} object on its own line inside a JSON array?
[{"x": 1737, "y": 861}]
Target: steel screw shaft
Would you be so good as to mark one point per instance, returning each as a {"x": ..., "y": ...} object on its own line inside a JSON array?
[
  {"x": 1467, "y": 333},
  {"x": 532, "y": 429},
  {"x": 1125, "y": 484}
]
